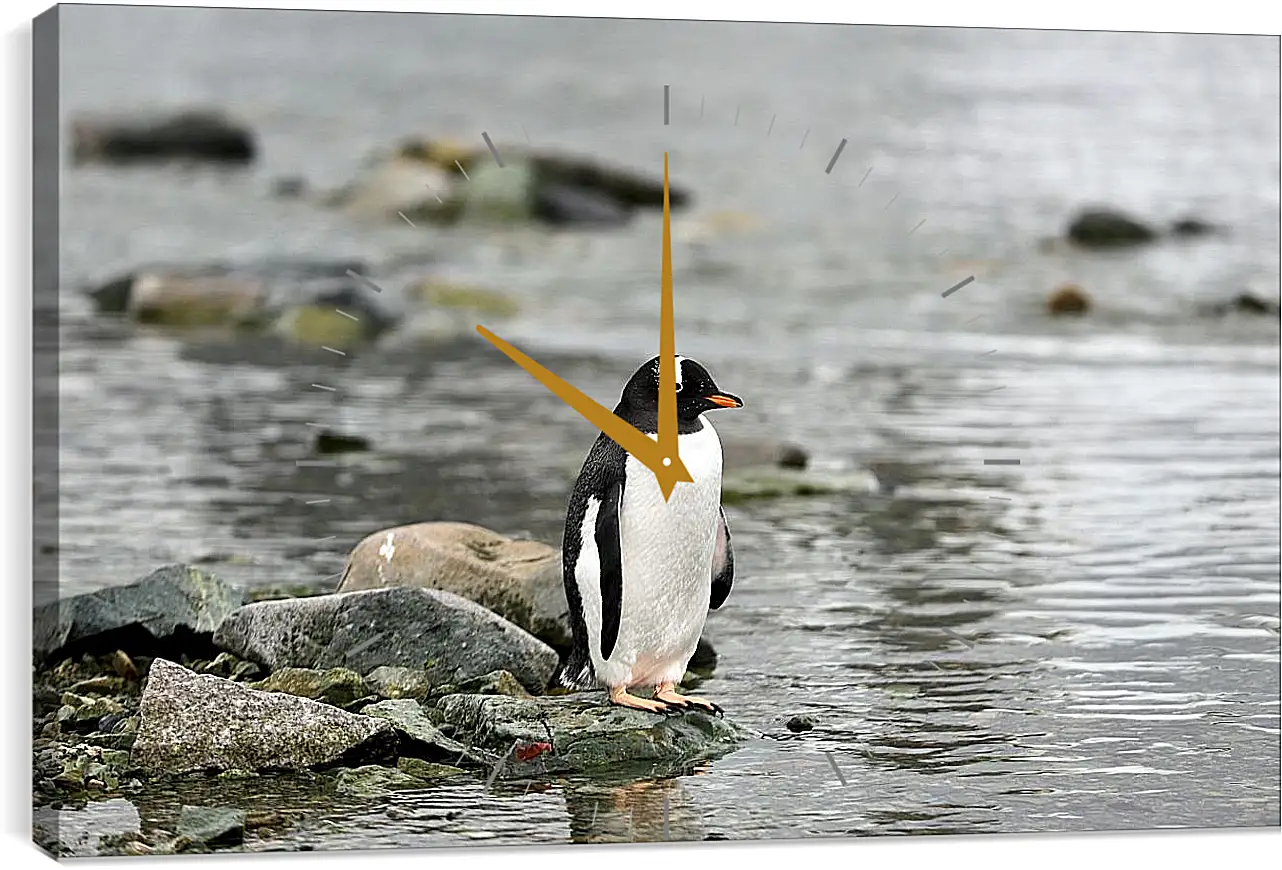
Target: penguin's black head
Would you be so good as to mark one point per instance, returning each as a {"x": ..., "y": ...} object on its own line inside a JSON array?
[{"x": 696, "y": 391}]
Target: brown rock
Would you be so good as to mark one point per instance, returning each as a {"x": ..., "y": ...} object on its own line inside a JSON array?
[
  {"x": 519, "y": 580},
  {"x": 1069, "y": 299},
  {"x": 124, "y": 666}
]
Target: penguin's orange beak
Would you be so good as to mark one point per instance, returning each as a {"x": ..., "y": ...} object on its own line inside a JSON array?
[{"x": 725, "y": 400}]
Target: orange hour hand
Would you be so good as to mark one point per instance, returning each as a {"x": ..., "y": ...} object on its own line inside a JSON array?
[{"x": 667, "y": 466}]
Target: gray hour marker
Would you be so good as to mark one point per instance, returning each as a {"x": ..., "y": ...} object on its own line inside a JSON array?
[
  {"x": 833, "y": 162},
  {"x": 960, "y": 284},
  {"x": 367, "y": 282},
  {"x": 835, "y": 769},
  {"x": 1001, "y": 462},
  {"x": 494, "y": 151},
  {"x": 666, "y": 115},
  {"x": 772, "y": 124}
]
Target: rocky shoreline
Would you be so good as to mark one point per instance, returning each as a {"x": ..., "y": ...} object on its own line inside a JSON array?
[{"x": 181, "y": 680}]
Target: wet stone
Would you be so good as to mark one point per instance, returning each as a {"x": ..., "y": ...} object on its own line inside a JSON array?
[
  {"x": 442, "y": 634},
  {"x": 198, "y": 722}
]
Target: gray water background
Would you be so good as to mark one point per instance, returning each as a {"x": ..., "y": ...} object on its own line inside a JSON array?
[{"x": 1085, "y": 641}]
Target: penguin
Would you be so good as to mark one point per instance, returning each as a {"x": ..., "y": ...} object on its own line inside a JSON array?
[{"x": 640, "y": 573}]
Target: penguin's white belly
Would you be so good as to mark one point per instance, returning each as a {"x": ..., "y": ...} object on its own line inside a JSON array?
[{"x": 666, "y": 550}]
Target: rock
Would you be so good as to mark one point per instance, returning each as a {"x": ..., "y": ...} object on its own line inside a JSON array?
[
  {"x": 798, "y": 724},
  {"x": 193, "y": 135},
  {"x": 124, "y": 666},
  {"x": 99, "y": 685},
  {"x": 426, "y": 770},
  {"x": 329, "y": 442},
  {"x": 449, "y": 637},
  {"x": 585, "y": 733},
  {"x": 623, "y": 186},
  {"x": 441, "y": 182},
  {"x": 560, "y": 204},
  {"x": 1243, "y": 303},
  {"x": 372, "y": 781},
  {"x": 1104, "y": 228},
  {"x": 445, "y": 294},
  {"x": 197, "y": 722},
  {"x": 420, "y": 735},
  {"x": 1068, "y": 299},
  {"x": 759, "y": 483},
  {"x": 496, "y": 683},
  {"x": 288, "y": 187},
  {"x": 337, "y": 687},
  {"x": 400, "y": 188},
  {"x": 397, "y": 683},
  {"x": 497, "y": 194},
  {"x": 173, "y": 608},
  {"x": 1191, "y": 227},
  {"x": 746, "y": 453},
  {"x": 704, "y": 660},
  {"x": 295, "y": 298},
  {"x": 519, "y": 580},
  {"x": 97, "y": 708},
  {"x": 212, "y": 826},
  {"x": 225, "y": 665}
]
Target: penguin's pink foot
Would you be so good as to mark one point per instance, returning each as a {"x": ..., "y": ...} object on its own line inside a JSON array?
[
  {"x": 667, "y": 693},
  {"x": 619, "y": 695}
]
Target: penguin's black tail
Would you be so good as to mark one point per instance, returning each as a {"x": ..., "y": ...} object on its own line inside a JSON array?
[{"x": 576, "y": 674}]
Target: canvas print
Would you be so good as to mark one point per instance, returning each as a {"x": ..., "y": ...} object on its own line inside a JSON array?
[{"x": 464, "y": 430}]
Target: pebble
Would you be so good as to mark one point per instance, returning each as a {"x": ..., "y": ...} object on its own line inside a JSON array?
[{"x": 798, "y": 724}]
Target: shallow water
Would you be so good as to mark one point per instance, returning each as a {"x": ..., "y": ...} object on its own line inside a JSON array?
[{"x": 1085, "y": 640}]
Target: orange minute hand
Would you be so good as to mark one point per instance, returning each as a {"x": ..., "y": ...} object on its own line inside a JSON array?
[
  {"x": 667, "y": 435},
  {"x": 646, "y": 450}
]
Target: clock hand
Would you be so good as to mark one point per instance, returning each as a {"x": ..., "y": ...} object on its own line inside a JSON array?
[
  {"x": 667, "y": 467},
  {"x": 667, "y": 350}
]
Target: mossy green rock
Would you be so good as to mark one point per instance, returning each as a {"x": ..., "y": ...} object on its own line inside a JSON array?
[
  {"x": 444, "y": 294},
  {"x": 768, "y": 483},
  {"x": 336, "y": 686},
  {"x": 395, "y": 683},
  {"x": 212, "y": 825},
  {"x": 586, "y": 733},
  {"x": 426, "y": 770},
  {"x": 493, "y": 683},
  {"x": 419, "y": 735},
  {"x": 373, "y": 781}
]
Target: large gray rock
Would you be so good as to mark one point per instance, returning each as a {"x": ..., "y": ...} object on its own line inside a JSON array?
[
  {"x": 519, "y": 580},
  {"x": 447, "y": 636},
  {"x": 197, "y": 722},
  {"x": 584, "y": 733},
  {"x": 174, "y": 604}
]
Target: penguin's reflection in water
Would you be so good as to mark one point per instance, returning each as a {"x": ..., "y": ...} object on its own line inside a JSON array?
[{"x": 643, "y": 811}]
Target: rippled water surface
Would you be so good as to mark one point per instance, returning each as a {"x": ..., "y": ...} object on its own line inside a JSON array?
[{"x": 1085, "y": 640}]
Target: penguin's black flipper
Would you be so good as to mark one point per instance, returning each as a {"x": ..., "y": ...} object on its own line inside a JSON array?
[
  {"x": 722, "y": 562},
  {"x": 608, "y": 552}
]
